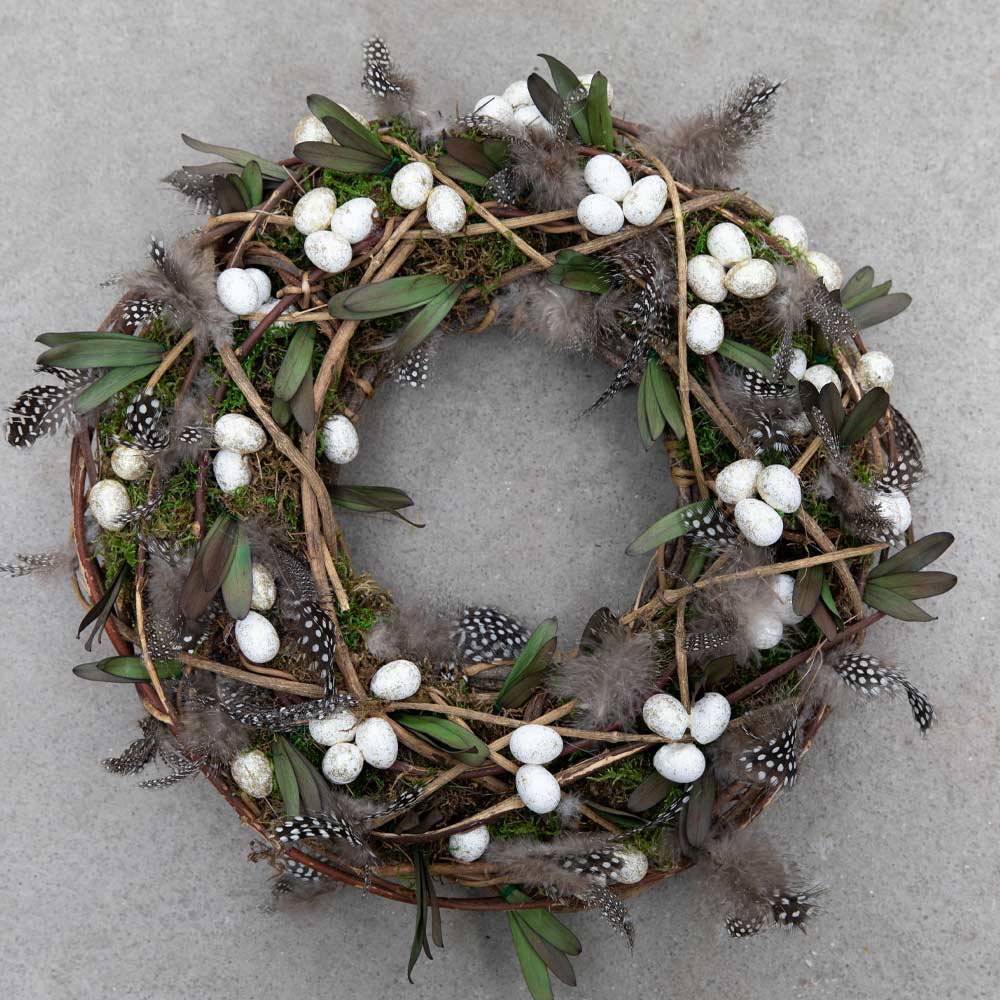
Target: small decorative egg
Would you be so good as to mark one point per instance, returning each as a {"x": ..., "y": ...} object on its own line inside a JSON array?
[
  {"x": 239, "y": 433},
  {"x": 827, "y": 269},
  {"x": 328, "y": 251},
  {"x": 791, "y": 230},
  {"x": 469, "y": 845},
  {"x": 495, "y": 107},
  {"x": 875, "y": 371},
  {"x": 264, "y": 592},
  {"x": 533, "y": 744},
  {"x": 705, "y": 329},
  {"x": 108, "y": 501},
  {"x": 600, "y": 214},
  {"x": 396, "y": 681},
  {"x": 588, "y": 78},
  {"x": 528, "y": 116},
  {"x": 709, "y": 717},
  {"x": 765, "y": 631},
  {"x": 310, "y": 129},
  {"x": 799, "y": 363},
  {"x": 412, "y": 185},
  {"x": 605, "y": 175},
  {"x": 779, "y": 487},
  {"x": 314, "y": 210},
  {"x": 783, "y": 586},
  {"x": 342, "y": 763},
  {"x": 232, "y": 470},
  {"x": 665, "y": 716},
  {"x": 129, "y": 463},
  {"x": 634, "y": 865},
  {"x": 728, "y": 244},
  {"x": 377, "y": 743},
  {"x": 517, "y": 94},
  {"x": 354, "y": 220},
  {"x": 895, "y": 508},
  {"x": 760, "y": 523},
  {"x": 446, "y": 211},
  {"x": 263, "y": 284},
  {"x": 680, "y": 762},
  {"x": 539, "y": 790},
  {"x": 738, "y": 480},
  {"x": 706, "y": 278},
  {"x": 251, "y": 770},
  {"x": 257, "y": 638},
  {"x": 336, "y": 728},
  {"x": 238, "y": 291},
  {"x": 645, "y": 200},
  {"x": 751, "y": 279},
  {"x": 820, "y": 375},
  {"x": 340, "y": 440}
]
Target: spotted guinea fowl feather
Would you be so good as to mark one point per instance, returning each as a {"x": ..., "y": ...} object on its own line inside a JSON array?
[
  {"x": 42, "y": 409},
  {"x": 870, "y": 677}
]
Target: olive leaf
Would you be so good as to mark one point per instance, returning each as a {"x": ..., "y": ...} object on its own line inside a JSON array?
[
  {"x": 666, "y": 396},
  {"x": 446, "y": 735},
  {"x": 548, "y": 102},
  {"x": 555, "y": 961},
  {"x": 533, "y": 968},
  {"x": 110, "y": 384},
  {"x": 311, "y": 785},
  {"x": 914, "y": 557},
  {"x": 698, "y": 820},
  {"x": 125, "y": 670},
  {"x": 667, "y": 528},
  {"x": 426, "y": 899},
  {"x": 651, "y": 419},
  {"x": 856, "y": 284},
  {"x": 386, "y": 298},
  {"x": 372, "y": 499},
  {"x": 602, "y": 133},
  {"x": 102, "y": 610},
  {"x": 229, "y": 193},
  {"x": 581, "y": 272},
  {"x": 808, "y": 586},
  {"x": 864, "y": 415},
  {"x": 746, "y": 356},
  {"x": 425, "y": 322},
  {"x": 238, "y": 156},
  {"x": 237, "y": 585},
  {"x": 544, "y": 923},
  {"x": 869, "y": 304},
  {"x": 894, "y": 585},
  {"x": 466, "y": 160},
  {"x": 567, "y": 84},
  {"x": 284, "y": 774},
  {"x": 296, "y": 362},
  {"x": 342, "y": 159},
  {"x": 98, "y": 350},
  {"x": 651, "y": 791},
  {"x": 253, "y": 183},
  {"x": 531, "y": 664},
  {"x": 345, "y": 128},
  {"x": 211, "y": 563}
]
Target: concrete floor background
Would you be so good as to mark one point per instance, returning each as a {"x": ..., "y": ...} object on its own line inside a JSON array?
[{"x": 885, "y": 144}]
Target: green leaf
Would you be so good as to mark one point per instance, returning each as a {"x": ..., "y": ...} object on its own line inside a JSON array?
[
  {"x": 544, "y": 923},
  {"x": 698, "y": 822},
  {"x": 864, "y": 415},
  {"x": 857, "y": 283},
  {"x": 311, "y": 784},
  {"x": 651, "y": 791},
  {"x": 91, "y": 353},
  {"x": 894, "y": 605},
  {"x": 229, "y": 193},
  {"x": 567, "y": 83},
  {"x": 880, "y": 309},
  {"x": 340, "y": 158},
  {"x": 345, "y": 128},
  {"x": 555, "y": 961},
  {"x": 602, "y": 133},
  {"x": 915, "y": 586},
  {"x": 296, "y": 362},
  {"x": 302, "y": 405},
  {"x": 237, "y": 587},
  {"x": 581, "y": 272},
  {"x": 472, "y": 154},
  {"x": 281, "y": 412},
  {"x": 458, "y": 171},
  {"x": 921, "y": 553},
  {"x": 865, "y": 295},
  {"x": 526, "y": 674},
  {"x": 832, "y": 408},
  {"x": 125, "y": 670},
  {"x": 73, "y": 337},
  {"x": 642, "y": 416},
  {"x": 102, "y": 610},
  {"x": 386, "y": 298},
  {"x": 110, "y": 384},
  {"x": 284, "y": 774},
  {"x": 667, "y": 528},
  {"x": 253, "y": 182},
  {"x": 808, "y": 585},
  {"x": 425, "y": 322},
  {"x": 420, "y": 929},
  {"x": 545, "y": 98},
  {"x": 372, "y": 500},
  {"x": 746, "y": 356},
  {"x": 211, "y": 564},
  {"x": 666, "y": 396},
  {"x": 827, "y": 595},
  {"x": 238, "y": 156},
  {"x": 536, "y": 975},
  {"x": 655, "y": 420},
  {"x": 243, "y": 191},
  {"x": 446, "y": 735}
]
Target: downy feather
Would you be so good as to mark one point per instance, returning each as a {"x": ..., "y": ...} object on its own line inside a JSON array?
[{"x": 413, "y": 633}]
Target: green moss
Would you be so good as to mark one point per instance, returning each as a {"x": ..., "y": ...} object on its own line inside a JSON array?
[
  {"x": 354, "y": 623},
  {"x": 713, "y": 446},
  {"x": 525, "y": 824}
]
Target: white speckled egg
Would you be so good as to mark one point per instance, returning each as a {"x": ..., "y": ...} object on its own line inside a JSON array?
[
  {"x": 108, "y": 501},
  {"x": 264, "y": 592},
  {"x": 469, "y": 845},
  {"x": 588, "y": 78},
  {"x": 257, "y": 638},
  {"x": 605, "y": 175},
  {"x": 539, "y": 790},
  {"x": 238, "y": 291},
  {"x": 251, "y": 770},
  {"x": 517, "y": 94},
  {"x": 340, "y": 440},
  {"x": 751, "y": 279},
  {"x": 336, "y": 728},
  {"x": 314, "y": 210},
  {"x": 396, "y": 681},
  {"x": 528, "y": 116},
  {"x": 412, "y": 185},
  {"x": 709, "y": 717},
  {"x": 759, "y": 522},
  {"x": 791, "y": 230},
  {"x": 680, "y": 762},
  {"x": 328, "y": 251},
  {"x": 280, "y": 323},
  {"x": 634, "y": 866},
  {"x": 665, "y": 716},
  {"x": 827, "y": 269},
  {"x": 780, "y": 488},
  {"x": 533, "y": 744},
  {"x": 875, "y": 370},
  {"x": 799, "y": 363},
  {"x": 263, "y": 283},
  {"x": 728, "y": 244},
  {"x": 738, "y": 480},
  {"x": 820, "y": 375},
  {"x": 645, "y": 200},
  {"x": 705, "y": 329},
  {"x": 706, "y": 278},
  {"x": 310, "y": 129},
  {"x": 600, "y": 214},
  {"x": 783, "y": 586},
  {"x": 232, "y": 470},
  {"x": 765, "y": 631},
  {"x": 342, "y": 763},
  {"x": 355, "y": 219},
  {"x": 239, "y": 433},
  {"x": 895, "y": 508},
  {"x": 129, "y": 463},
  {"x": 495, "y": 107},
  {"x": 446, "y": 211},
  {"x": 377, "y": 743}
]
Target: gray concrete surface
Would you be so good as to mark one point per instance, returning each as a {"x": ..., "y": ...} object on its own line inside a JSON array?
[{"x": 886, "y": 147}]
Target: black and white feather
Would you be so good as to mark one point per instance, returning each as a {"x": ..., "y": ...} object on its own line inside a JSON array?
[
  {"x": 872, "y": 678},
  {"x": 44, "y": 409}
]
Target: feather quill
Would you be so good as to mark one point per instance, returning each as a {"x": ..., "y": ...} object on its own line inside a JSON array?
[{"x": 198, "y": 189}]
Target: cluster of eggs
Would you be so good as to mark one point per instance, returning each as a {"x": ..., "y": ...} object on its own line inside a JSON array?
[
  {"x": 777, "y": 487},
  {"x": 331, "y": 230},
  {"x": 413, "y": 187},
  {"x": 666, "y": 716},
  {"x": 615, "y": 199},
  {"x": 237, "y": 436},
  {"x": 244, "y": 290}
]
